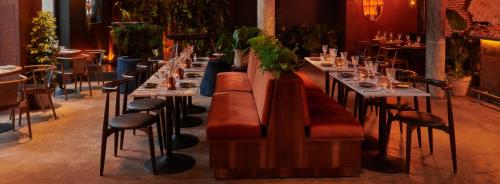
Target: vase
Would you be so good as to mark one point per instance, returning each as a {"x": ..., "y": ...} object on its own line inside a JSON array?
[
  {"x": 240, "y": 59},
  {"x": 460, "y": 85}
]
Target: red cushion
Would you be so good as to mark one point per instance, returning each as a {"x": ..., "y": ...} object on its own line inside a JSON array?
[
  {"x": 330, "y": 120},
  {"x": 309, "y": 84},
  {"x": 232, "y": 81},
  {"x": 262, "y": 93},
  {"x": 233, "y": 115}
]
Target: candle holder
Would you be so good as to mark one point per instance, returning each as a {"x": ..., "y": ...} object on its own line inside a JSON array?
[
  {"x": 171, "y": 83},
  {"x": 179, "y": 72}
]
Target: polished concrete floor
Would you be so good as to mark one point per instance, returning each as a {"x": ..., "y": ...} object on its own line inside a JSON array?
[{"x": 66, "y": 150}]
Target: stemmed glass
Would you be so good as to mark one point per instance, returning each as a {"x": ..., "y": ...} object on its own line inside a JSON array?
[
  {"x": 399, "y": 36},
  {"x": 324, "y": 48},
  {"x": 355, "y": 61},
  {"x": 408, "y": 38},
  {"x": 343, "y": 55},
  {"x": 418, "y": 39},
  {"x": 390, "y": 36}
]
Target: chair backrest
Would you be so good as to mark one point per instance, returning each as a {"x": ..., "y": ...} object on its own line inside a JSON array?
[
  {"x": 262, "y": 91},
  {"x": 97, "y": 56},
  {"x": 41, "y": 75},
  {"x": 405, "y": 75},
  {"x": 439, "y": 85},
  {"x": 78, "y": 63},
  {"x": 137, "y": 77},
  {"x": 9, "y": 92},
  {"x": 110, "y": 88}
]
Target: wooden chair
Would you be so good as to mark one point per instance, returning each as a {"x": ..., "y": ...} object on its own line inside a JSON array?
[
  {"x": 389, "y": 56},
  {"x": 41, "y": 78},
  {"x": 10, "y": 98},
  {"x": 416, "y": 119},
  {"x": 94, "y": 67},
  {"x": 125, "y": 121},
  {"x": 77, "y": 71}
]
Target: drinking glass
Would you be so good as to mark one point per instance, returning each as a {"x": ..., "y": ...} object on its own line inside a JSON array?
[
  {"x": 390, "y": 36},
  {"x": 333, "y": 52},
  {"x": 343, "y": 55},
  {"x": 408, "y": 38},
  {"x": 324, "y": 48},
  {"x": 354, "y": 60},
  {"x": 362, "y": 74},
  {"x": 418, "y": 39},
  {"x": 391, "y": 73},
  {"x": 385, "y": 34},
  {"x": 399, "y": 36}
]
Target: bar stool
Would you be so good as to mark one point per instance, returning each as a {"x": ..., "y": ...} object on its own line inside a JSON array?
[
  {"x": 125, "y": 121},
  {"x": 416, "y": 119}
]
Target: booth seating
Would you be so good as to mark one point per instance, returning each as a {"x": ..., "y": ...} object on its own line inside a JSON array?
[
  {"x": 238, "y": 81},
  {"x": 280, "y": 128}
]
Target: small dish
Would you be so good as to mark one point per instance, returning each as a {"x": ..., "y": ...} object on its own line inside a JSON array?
[
  {"x": 186, "y": 85},
  {"x": 192, "y": 75},
  {"x": 347, "y": 75},
  {"x": 401, "y": 85},
  {"x": 196, "y": 64},
  {"x": 367, "y": 84},
  {"x": 150, "y": 85},
  {"x": 326, "y": 64}
]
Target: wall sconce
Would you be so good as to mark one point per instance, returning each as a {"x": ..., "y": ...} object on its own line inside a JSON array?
[
  {"x": 372, "y": 9},
  {"x": 89, "y": 6},
  {"x": 412, "y": 3}
]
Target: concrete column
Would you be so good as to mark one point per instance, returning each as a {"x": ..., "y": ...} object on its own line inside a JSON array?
[
  {"x": 266, "y": 16},
  {"x": 435, "y": 42}
]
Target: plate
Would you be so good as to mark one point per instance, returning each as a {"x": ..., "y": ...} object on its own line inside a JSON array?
[
  {"x": 326, "y": 64},
  {"x": 346, "y": 75},
  {"x": 196, "y": 64},
  {"x": 192, "y": 75},
  {"x": 401, "y": 85},
  {"x": 367, "y": 84},
  {"x": 186, "y": 85},
  {"x": 150, "y": 85}
]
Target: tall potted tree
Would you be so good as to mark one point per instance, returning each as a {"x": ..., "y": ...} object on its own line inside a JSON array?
[
  {"x": 43, "y": 45},
  {"x": 459, "y": 53},
  {"x": 240, "y": 44}
]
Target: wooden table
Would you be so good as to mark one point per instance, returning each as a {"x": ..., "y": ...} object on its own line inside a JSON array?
[
  {"x": 10, "y": 71},
  {"x": 316, "y": 62},
  {"x": 177, "y": 105},
  {"x": 379, "y": 162},
  {"x": 68, "y": 52}
]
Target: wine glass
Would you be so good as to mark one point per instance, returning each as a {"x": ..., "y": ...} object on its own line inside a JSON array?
[
  {"x": 391, "y": 73},
  {"x": 343, "y": 55},
  {"x": 390, "y": 36},
  {"x": 324, "y": 48},
  {"x": 418, "y": 39},
  {"x": 355, "y": 60},
  {"x": 333, "y": 52},
  {"x": 408, "y": 38},
  {"x": 399, "y": 36}
]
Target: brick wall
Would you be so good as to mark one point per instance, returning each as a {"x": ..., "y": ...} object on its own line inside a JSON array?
[{"x": 459, "y": 6}]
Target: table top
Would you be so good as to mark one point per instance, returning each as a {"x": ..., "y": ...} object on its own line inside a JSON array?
[
  {"x": 377, "y": 91},
  {"x": 6, "y": 70},
  {"x": 69, "y": 51},
  {"x": 316, "y": 62},
  {"x": 162, "y": 91}
]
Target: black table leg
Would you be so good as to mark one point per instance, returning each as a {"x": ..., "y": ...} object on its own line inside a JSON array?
[
  {"x": 327, "y": 83},
  {"x": 194, "y": 109},
  {"x": 170, "y": 163},
  {"x": 379, "y": 160},
  {"x": 181, "y": 141},
  {"x": 188, "y": 121}
]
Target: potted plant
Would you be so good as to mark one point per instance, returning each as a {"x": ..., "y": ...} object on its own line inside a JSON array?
[
  {"x": 274, "y": 57},
  {"x": 240, "y": 44},
  {"x": 308, "y": 39},
  {"x": 459, "y": 53}
]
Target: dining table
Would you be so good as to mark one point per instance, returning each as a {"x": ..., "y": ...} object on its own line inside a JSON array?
[
  {"x": 379, "y": 160},
  {"x": 9, "y": 70},
  {"x": 176, "y": 110}
]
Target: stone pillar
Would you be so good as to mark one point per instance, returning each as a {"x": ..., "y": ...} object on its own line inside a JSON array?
[
  {"x": 266, "y": 16},
  {"x": 435, "y": 42}
]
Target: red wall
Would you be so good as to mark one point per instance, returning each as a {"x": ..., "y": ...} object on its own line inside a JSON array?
[{"x": 397, "y": 17}]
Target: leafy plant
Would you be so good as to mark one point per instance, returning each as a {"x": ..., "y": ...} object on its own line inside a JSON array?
[
  {"x": 308, "y": 38},
  {"x": 274, "y": 56},
  {"x": 460, "y": 54},
  {"x": 241, "y": 37},
  {"x": 43, "y": 44},
  {"x": 137, "y": 40},
  {"x": 456, "y": 21}
]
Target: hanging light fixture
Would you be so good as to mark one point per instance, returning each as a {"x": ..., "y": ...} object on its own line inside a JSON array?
[
  {"x": 372, "y": 9},
  {"x": 412, "y": 3},
  {"x": 89, "y": 8}
]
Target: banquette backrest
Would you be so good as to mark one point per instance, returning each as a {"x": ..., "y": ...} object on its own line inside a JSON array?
[{"x": 253, "y": 65}]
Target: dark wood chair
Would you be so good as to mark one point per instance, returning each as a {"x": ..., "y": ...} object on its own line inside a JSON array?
[
  {"x": 75, "y": 73},
  {"x": 125, "y": 121},
  {"x": 40, "y": 83},
  {"x": 416, "y": 119},
  {"x": 10, "y": 98},
  {"x": 94, "y": 67}
]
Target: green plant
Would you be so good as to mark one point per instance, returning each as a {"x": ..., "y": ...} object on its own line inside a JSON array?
[
  {"x": 308, "y": 39},
  {"x": 460, "y": 54},
  {"x": 274, "y": 57},
  {"x": 241, "y": 37},
  {"x": 43, "y": 44},
  {"x": 137, "y": 40},
  {"x": 456, "y": 21}
]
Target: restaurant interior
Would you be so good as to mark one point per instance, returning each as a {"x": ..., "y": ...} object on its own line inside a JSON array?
[{"x": 249, "y": 91}]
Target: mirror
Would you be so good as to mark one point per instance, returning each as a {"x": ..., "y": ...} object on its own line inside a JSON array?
[{"x": 372, "y": 9}]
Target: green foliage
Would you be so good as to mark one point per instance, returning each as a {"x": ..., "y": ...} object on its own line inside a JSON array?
[
  {"x": 274, "y": 56},
  {"x": 43, "y": 45},
  {"x": 137, "y": 40},
  {"x": 456, "y": 21},
  {"x": 308, "y": 38},
  {"x": 459, "y": 51},
  {"x": 241, "y": 37}
]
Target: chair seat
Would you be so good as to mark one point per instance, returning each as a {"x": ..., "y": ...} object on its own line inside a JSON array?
[
  {"x": 392, "y": 103},
  {"x": 309, "y": 84},
  {"x": 146, "y": 104},
  {"x": 233, "y": 115},
  {"x": 132, "y": 121},
  {"x": 232, "y": 81},
  {"x": 420, "y": 119}
]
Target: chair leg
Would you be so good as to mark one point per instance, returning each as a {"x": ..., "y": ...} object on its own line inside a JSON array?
[
  {"x": 159, "y": 126},
  {"x": 80, "y": 79},
  {"x": 133, "y": 132},
  {"x": 122, "y": 137},
  {"x": 103, "y": 153},
  {"x": 453, "y": 150},
  {"x": 115, "y": 148},
  {"x": 431, "y": 141},
  {"x": 28, "y": 119},
  {"x": 90, "y": 87},
  {"x": 40, "y": 102},
  {"x": 20, "y": 117},
  {"x": 52, "y": 106},
  {"x": 419, "y": 137},
  {"x": 389, "y": 125},
  {"x": 400, "y": 127},
  {"x": 152, "y": 148},
  {"x": 408, "y": 147},
  {"x": 13, "y": 114},
  {"x": 65, "y": 91}
]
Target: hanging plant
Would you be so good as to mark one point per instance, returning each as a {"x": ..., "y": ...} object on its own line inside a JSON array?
[{"x": 43, "y": 45}]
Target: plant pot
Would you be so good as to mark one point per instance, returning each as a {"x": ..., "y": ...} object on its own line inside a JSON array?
[
  {"x": 460, "y": 85},
  {"x": 124, "y": 65},
  {"x": 240, "y": 59}
]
